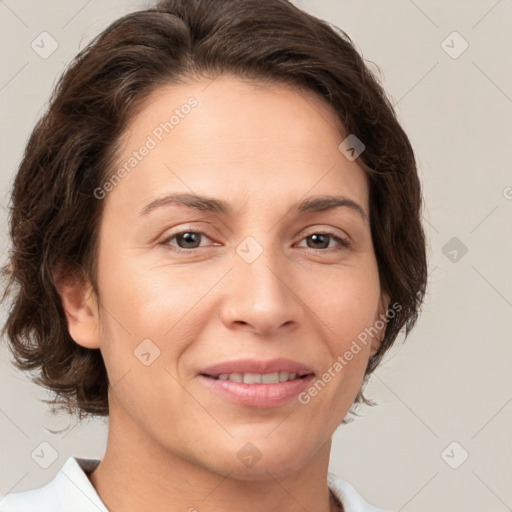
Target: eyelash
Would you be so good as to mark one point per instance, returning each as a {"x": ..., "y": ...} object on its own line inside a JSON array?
[{"x": 343, "y": 243}]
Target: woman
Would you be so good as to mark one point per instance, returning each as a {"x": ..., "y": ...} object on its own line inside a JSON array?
[{"x": 216, "y": 236}]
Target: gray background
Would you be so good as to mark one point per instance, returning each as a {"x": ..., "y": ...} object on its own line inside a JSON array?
[{"x": 446, "y": 392}]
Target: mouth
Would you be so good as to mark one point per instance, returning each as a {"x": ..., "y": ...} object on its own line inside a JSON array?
[
  {"x": 259, "y": 378},
  {"x": 257, "y": 391},
  {"x": 257, "y": 383},
  {"x": 257, "y": 371}
]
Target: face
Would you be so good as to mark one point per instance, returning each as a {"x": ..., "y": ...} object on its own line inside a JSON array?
[{"x": 183, "y": 289}]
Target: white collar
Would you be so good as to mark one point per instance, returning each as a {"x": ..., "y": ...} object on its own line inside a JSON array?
[{"x": 71, "y": 488}]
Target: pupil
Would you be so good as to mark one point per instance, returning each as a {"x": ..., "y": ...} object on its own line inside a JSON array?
[
  {"x": 317, "y": 237},
  {"x": 188, "y": 238}
]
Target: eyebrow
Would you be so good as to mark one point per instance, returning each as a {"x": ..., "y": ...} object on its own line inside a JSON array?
[{"x": 210, "y": 204}]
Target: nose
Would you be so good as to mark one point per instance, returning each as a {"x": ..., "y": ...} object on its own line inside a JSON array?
[{"x": 259, "y": 296}]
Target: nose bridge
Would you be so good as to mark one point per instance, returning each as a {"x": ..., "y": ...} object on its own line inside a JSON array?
[
  {"x": 259, "y": 292},
  {"x": 261, "y": 267}
]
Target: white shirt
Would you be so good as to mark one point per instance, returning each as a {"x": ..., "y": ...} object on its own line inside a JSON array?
[{"x": 72, "y": 491}]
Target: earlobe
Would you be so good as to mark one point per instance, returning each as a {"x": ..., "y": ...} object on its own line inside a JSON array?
[{"x": 80, "y": 307}]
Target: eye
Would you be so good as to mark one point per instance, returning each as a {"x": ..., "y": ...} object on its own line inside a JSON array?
[
  {"x": 186, "y": 240},
  {"x": 189, "y": 240},
  {"x": 320, "y": 239}
]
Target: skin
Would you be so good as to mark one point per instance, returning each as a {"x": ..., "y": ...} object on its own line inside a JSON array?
[{"x": 173, "y": 443}]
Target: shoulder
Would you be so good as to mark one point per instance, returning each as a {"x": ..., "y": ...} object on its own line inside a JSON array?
[
  {"x": 70, "y": 489},
  {"x": 352, "y": 501}
]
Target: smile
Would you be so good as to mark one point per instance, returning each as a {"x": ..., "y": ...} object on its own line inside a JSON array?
[{"x": 252, "y": 390}]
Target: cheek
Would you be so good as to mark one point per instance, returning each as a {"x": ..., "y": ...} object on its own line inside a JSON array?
[
  {"x": 148, "y": 300},
  {"x": 146, "y": 330},
  {"x": 346, "y": 301},
  {"x": 151, "y": 310}
]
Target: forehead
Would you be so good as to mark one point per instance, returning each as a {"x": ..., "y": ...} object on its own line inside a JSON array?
[{"x": 236, "y": 140}]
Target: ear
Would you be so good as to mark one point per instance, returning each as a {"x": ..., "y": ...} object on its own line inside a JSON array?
[
  {"x": 380, "y": 322},
  {"x": 80, "y": 307}
]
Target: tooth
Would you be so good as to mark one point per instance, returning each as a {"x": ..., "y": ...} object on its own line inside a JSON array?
[
  {"x": 258, "y": 378},
  {"x": 270, "y": 378},
  {"x": 252, "y": 378}
]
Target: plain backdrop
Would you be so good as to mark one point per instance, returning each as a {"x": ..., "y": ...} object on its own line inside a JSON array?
[{"x": 440, "y": 438}]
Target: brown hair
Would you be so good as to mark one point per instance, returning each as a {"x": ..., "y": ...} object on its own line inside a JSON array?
[{"x": 54, "y": 216}]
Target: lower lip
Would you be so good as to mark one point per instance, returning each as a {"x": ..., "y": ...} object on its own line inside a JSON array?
[{"x": 258, "y": 395}]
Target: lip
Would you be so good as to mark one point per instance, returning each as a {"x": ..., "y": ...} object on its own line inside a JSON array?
[
  {"x": 257, "y": 366},
  {"x": 257, "y": 395}
]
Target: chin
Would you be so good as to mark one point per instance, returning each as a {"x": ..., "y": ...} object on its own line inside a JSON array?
[
  {"x": 262, "y": 460},
  {"x": 264, "y": 470}
]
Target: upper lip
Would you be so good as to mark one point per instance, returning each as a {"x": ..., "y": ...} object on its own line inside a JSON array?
[{"x": 257, "y": 366}]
